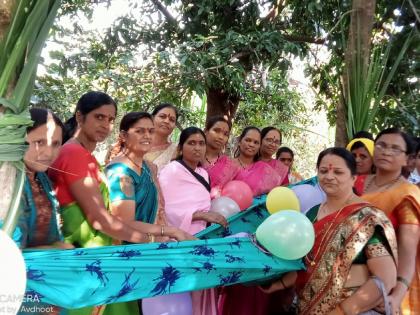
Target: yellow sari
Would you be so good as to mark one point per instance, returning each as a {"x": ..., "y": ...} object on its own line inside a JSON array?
[{"x": 402, "y": 206}]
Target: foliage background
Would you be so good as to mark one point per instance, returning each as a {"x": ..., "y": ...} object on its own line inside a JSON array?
[{"x": 248, "y": 49}]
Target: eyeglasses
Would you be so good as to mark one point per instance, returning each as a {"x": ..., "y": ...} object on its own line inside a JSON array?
[
  {"x": 272, "y": 141},
  {"x": 393, "y": 150}
]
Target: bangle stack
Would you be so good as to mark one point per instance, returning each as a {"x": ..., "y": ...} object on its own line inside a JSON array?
[{"x": 404, "y": 281}]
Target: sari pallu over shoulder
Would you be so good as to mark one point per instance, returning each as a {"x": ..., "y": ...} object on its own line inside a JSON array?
[{"x": 320, "y": 287}]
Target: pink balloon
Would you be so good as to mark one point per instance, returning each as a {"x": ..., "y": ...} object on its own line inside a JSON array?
[{"x": 240, "y": 192}]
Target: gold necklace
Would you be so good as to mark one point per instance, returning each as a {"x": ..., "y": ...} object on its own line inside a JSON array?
[
  {"x": 385, "y": 186},
  {"x": 312, "y": 261},
  {"x": 132, "y": 161}
]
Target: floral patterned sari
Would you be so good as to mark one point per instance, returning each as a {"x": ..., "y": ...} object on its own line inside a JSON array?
[{"x": 339, "y": 239}]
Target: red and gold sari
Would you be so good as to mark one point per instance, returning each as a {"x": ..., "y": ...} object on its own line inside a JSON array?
[
  {"x": 339, "y": 238},
  {"x": 402, "y": 206}
]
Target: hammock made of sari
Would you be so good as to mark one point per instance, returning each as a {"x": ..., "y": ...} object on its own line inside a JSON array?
[
  {"x": 109, "y": 274},
  {"x": 94, "y": 276}
]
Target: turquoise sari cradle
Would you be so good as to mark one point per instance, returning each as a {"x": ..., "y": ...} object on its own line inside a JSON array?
[{"x": 95, "y": 276}]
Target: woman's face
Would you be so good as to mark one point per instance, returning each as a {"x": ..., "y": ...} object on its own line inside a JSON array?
[
  {"x": 335, "y": 177},
  {"x": 97, "y": 124},
  {"x": 218, "y": 135},
  {"x": 250, "y": 143},
  {"x": 270, "y": 143},
  {"x": 44, "y": 146},
  {"x": 194, "y": 149},
  {"x": 364, "y": 161},
  {"x": 138, "y": 138},
  {"x": 389, "y": 154},
  {"x": 165, "y": 120},
  {"x": 286, "y": 158}
]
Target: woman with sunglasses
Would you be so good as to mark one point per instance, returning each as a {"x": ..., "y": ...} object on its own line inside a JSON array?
[{"x": 400, "y": 200}]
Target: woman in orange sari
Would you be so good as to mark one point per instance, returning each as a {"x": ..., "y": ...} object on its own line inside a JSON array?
[
  {"x": 400, "y": 200},
  {"x": 354, "y": 250}
]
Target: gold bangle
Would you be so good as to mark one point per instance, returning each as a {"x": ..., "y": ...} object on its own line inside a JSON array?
[
  {"x": 403, "y": 281},
  {"x": 162, "y": 230}
]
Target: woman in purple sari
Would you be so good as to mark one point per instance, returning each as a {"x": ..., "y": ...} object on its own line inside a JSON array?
[
  {"x": 259, "y": 175},
  {"x": 220, "y": 167}
]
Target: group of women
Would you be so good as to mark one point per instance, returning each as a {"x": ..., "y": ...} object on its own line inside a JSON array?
[{"x": 154, "y": 190}]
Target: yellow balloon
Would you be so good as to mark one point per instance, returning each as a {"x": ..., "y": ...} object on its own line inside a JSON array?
[{"x": 282, "y": 198}]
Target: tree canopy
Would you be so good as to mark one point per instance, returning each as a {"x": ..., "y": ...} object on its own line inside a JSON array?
[{"x": 230, "y": 53}]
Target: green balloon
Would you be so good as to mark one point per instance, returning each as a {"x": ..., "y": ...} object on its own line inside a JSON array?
[{"x": 287, "y": 234}]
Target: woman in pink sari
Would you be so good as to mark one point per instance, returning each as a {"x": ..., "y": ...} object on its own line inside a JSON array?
[
  {"x": 259, "y": 175},
  {"x": 220, "y": 167},
  {"x": 186, "y": 190},
  {"x": 270, "y": 142}
]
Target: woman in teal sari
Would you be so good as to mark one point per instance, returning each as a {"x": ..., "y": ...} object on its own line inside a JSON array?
[{"x": 133, "y": 186}]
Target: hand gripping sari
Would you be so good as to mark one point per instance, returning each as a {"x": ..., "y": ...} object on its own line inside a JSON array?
[
  {"x": 351, "y": 235},
  {"x": 401, "y": 204}
]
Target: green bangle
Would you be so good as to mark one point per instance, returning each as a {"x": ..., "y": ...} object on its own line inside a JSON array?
[{"x": 403, "y": 281}]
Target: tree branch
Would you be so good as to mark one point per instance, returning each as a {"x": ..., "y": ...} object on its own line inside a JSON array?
[
  {"x": 275, "y": 11},
  {"x": 171, "y": 20},
  {"x": 414, "y": 11},
  {"x": 304, "y": 39}
]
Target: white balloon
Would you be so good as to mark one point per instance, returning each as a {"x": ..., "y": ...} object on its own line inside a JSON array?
[
  {"x": 12, "y": 275},
  {"x": 225, "y": 206}
]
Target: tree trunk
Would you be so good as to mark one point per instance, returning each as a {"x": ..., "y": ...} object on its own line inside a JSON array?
[
  {"x": 360, "y": 32},
  {"x": 221, "y": 103}
]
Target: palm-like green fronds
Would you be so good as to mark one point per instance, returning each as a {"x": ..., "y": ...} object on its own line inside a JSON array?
[
  {"x": 367, "y": 84},
  {"x": 19, "y": 56}
]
